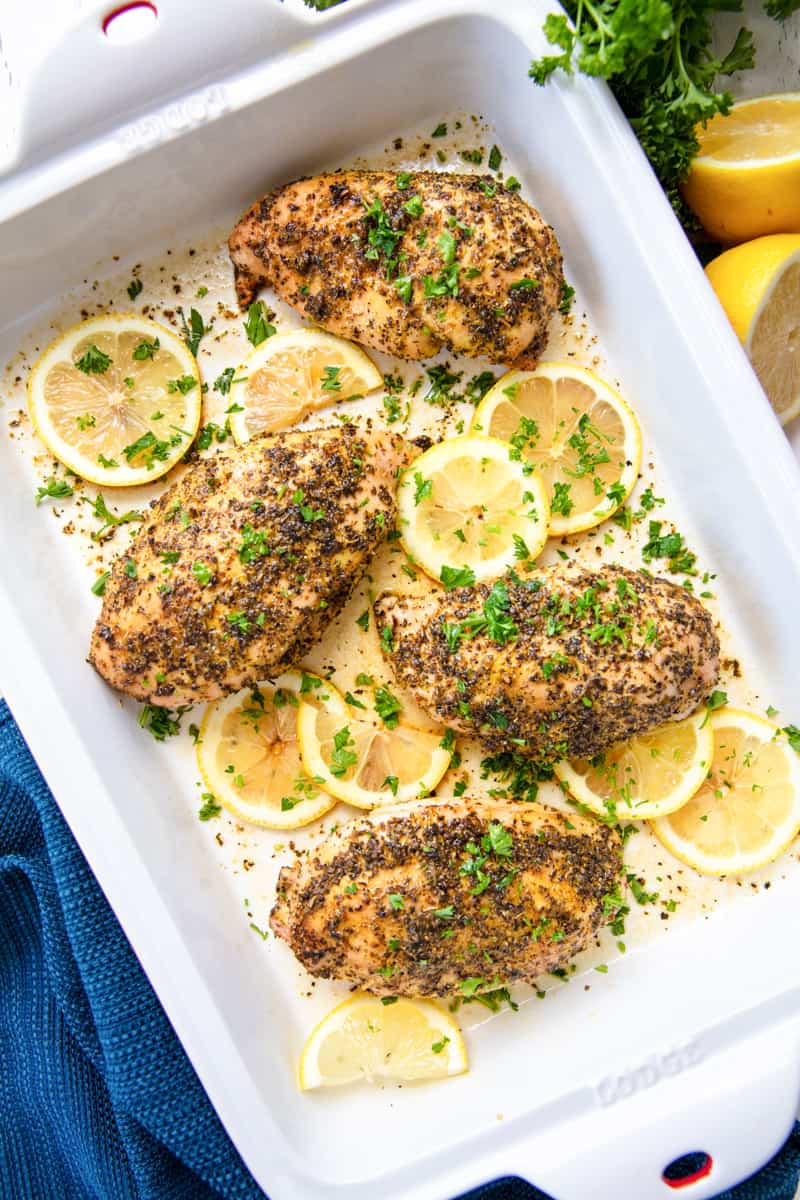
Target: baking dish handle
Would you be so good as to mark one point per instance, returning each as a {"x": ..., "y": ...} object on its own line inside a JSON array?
[
  {"x": 74, "y": 77},
  {"x": 736, "y": 1107}
]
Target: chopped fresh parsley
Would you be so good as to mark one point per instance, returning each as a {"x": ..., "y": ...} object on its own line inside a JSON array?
[
  {"x": 567, "y": 296},
  {"x": 134, "y": 288},
  {"x": 56, "y": 489},
  {"x": 253, "y": 545},
  {"x": 342, "y": 757},
  {"x": 405, "y": 287},
  {"x": 561, "y": 501},
  {"x": 423, "y": 488},
  {"x": 183, "y": 385},
  {"x": 209, "y": 808},
  {"x": 93, "y": 361},
  {"x": 146, "y": 350},
  {"x": 150, "y": 448},
  {"x": 442, "y": 381},
  {"x": 98, "y": 588},
  {"x": 670, "y": 546},
  {"x": 109, "y": 519},
  {"x": 194, "y": 330},
  {"x": 382, "y": 237},
  {"x": 162, "y": 722},
  {"x": 455, "y": 577},
  {"x": 257, "y": 326},
  {"x": 717, "y": 699},
  {"x": 388, "y": 707},
  {"x": 202, "y": 573}
]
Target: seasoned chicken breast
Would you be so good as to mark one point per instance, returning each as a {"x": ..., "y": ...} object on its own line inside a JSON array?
[
  {"x": 417, "y": 899},
  {"x": 564, "y": 663},
  {"x": 409, "y": 264},
  {"x": 244, "y": 561}
]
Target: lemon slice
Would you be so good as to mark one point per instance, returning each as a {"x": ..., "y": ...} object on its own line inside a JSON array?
[
  {"x": 467, "y": 506},
  {"x": 748, "y": 810},
  {"x": 364, "y": 762},
  {"x": 648, "y": 776},
  {"x": 249, "y": 757},
  {"x": 758, "y": 285},
  {"x": 291, "y": 374},
  {"x": 117, "y": 399},
  {"x": 745, "y": 181},
  {"x": 364, "y": 1040},
  {"x": 581, "y": 437}
]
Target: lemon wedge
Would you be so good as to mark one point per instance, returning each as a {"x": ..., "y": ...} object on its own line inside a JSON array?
[
  {"x": 648, "y": 776},
  {"x": 368, "y": 763},
  {"x": 249, "y": 757},
  {"x": 365, "y": 1040},
  {"x": 468, "y": 511},
  {"x": 758, "y": 285},
  {"x": 294, "y": 373},
  {"x": 748, "y": 810},
  {"x": 116, "y": 399},
  {"x": 577, "y": 432},
  {"x": 745, "y": 181}
]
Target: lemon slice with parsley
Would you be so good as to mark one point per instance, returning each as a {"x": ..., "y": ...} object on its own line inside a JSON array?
[
  {"x": 116, "y": 399},
  {"x": 367, "y": 1041},
  {"x": 249, "y": 757},
  {"x": 647, "y": 776},
  {"x": 747, "y": 811},
  {"x": 291, "y": 374},
  {"x": 578, "y": 434},
  {"x": 364, "y": 753},
  {"x": 469, "y": 509}
]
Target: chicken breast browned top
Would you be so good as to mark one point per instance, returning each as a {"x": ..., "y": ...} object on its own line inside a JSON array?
[
  {"x": 418, "y": 899},
  {"x": 564, "y": 663},
  {"x": 407, "y": 263},
  {"x": 243, "y": 562}
]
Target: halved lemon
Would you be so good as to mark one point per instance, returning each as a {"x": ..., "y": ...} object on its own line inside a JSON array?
[
  {"x": 365, "y": 1040},
  {"x": 647, "y": 776},
  {"x": 745, "y": 181},
  {"x": 249, "y": 757},
  {"x": 364, "y": 762},
  {"x": 758, "y": 285},
  {"x": 580, "y": 436},
  {"x": 117, "y": 399},
  {"x": 748, "y": 810},
  {"x": 294, "y": 373},
  {"x": 467, "y": 505}
]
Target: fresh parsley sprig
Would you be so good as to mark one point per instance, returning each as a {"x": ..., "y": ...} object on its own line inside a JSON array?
[{"x": 657, "y": 57}]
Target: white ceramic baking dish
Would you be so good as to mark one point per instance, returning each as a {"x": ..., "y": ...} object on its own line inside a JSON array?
[{"x": 691, "y": 1043}]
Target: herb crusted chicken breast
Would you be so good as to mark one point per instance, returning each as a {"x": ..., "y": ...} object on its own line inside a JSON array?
[
  {"x": 566, "y": 662},
  {"x": 243, "y": 562},
  {"x": 435, "y": 896},
  {"x": 406, "y": 263}
]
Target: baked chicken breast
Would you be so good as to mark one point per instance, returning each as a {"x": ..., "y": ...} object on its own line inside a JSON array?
[
  {"x": 242, "y": 563},
  {"x": 417, "y": 899},
  {"x": 406, "y": 263},
  {"x": 564, "y": 663}
]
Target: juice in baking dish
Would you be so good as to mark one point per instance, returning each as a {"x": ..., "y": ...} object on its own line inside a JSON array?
[{"x": 664, "y": 893}]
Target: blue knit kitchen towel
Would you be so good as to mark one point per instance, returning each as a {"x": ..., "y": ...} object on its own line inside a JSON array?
[{"x": 97, "y": 1098}]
